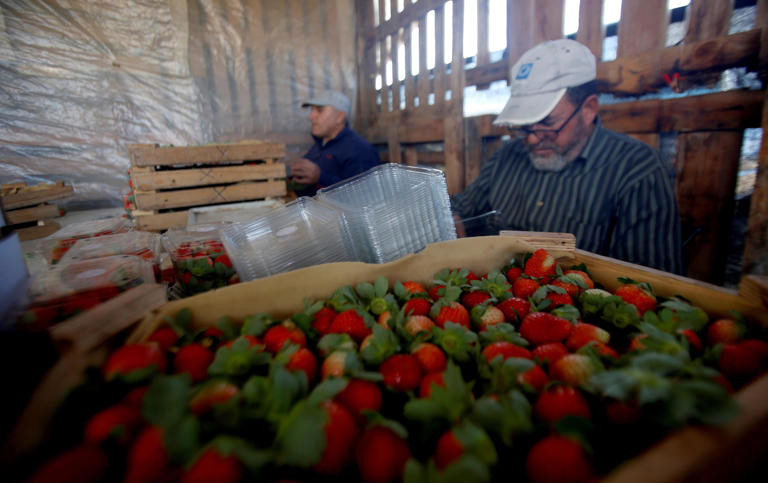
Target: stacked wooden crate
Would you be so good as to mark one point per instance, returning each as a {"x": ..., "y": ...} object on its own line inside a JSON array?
[
  {"x": 27, "y": 208},
  {"x": 168, "y": 181}
]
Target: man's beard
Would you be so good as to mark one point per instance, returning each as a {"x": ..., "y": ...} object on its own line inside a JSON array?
[{"x": 554, "y": 161}]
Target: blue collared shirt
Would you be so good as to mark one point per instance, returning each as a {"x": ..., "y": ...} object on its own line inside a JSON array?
[{"x": 617, "y": 197}]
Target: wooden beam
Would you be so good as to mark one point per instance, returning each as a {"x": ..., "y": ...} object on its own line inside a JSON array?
[
  {"x": 756, "y": 242},
  {"x": 708, "y": 19},
  {"x": 520, "y": 14},
  {"x": 454, "y": 121},
  {"x": 548, "y": 21},
  {"x": 642, "y": 27},
  {"x": 591, "y": 31}
]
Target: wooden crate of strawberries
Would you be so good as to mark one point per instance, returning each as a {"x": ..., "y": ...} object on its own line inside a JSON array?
[
  {"x": 167, "y": 181},
  {"x": 448, "y": 364}
]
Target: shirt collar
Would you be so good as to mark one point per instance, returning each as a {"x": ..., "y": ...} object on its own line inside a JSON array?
[{"x": 344, "y": 132}]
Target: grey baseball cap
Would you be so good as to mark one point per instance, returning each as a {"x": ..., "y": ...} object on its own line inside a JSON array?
[{"x": 335, "y": 99}]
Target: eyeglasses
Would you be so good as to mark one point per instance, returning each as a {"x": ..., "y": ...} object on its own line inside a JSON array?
[{"x": 524, "y": 131}]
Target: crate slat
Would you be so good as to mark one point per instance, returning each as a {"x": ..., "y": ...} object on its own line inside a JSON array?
[
  {"x": 181, "y": 178},
  {"x": 23, "y": 215},
  {"x": 157, "y": 200},
  {"x": 153, "y": 155},
  {"x": 36, "y": 197},
  {"x": 161, "y": 221}
]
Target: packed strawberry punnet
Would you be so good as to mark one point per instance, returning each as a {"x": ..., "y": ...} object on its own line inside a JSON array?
[{"x": 526, "y": 373}]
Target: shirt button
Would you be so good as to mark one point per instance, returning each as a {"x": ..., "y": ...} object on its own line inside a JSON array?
[{"x": 539, "y": 203}]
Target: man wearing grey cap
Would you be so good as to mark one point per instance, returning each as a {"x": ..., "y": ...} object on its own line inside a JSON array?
[
  {"x": 564, "y": 172},
  {"x": 338, "y": 152}
]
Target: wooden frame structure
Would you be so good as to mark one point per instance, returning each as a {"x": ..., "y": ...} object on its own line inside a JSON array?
[{"x": 426, "y": 108}]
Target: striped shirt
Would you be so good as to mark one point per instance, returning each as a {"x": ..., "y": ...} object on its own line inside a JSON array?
[{"x": 617, "y": 197}]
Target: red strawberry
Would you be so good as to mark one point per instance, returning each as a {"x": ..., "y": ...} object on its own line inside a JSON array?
[
  {"x": 148, "y": 459},
  {"x": 415, "y": 324},
  {"x": 724, "y": 331},
  {"x": 639, "y": 295},
  {"x": 583, "y": 333},
  {"x": 524, "y": 287},
  {"x": 224, "y": 260},
  {"x": 434, "y": 292},
  {"x": 512, "y": 273},
  {"x": 337, "y": 363},
  {"x": 350, "y": 322},
  {"x": 693, "y": 340},
  {"x": 622, "y": 412},
  {"x": 453, "y": 312},
  {"x": 135, "y": 361},
  {"x": 414, "y": 288},
  {"x": 448, "y": 450},
  {"x": 543, "y": 327},
  {"x": 322, "y": 319},
  {"x": 210, "y": 394},
  {"x": 586, "y": 279},
  {"x": 549, "y": 352},
  {"x": 417, "y": 306},
  {"x": 572, "y": 369},
  {"x": 604, "y": 349},
  {"x": 485, "y": 316},
  {"x": 193, "y": 359},
  {"x": 303, "y": 360},
  {"x": 340, "y": 437},
  {"x": 135, "y": 397},
  {"x": 514, "y": 308},
  {"x": 252, "y": 340},
  {"x": 85, "y": 463},
  {"x": 558, "y": 299},
  {"x": 401, "y": 372},
  {"x": 556, "y": 458},
  {"x": 360, "y": 395},
  {"x": 381, "y": 455},
  {"x": 211, "y": 465},
  {"x": 165, "y": 337},
  {"x": 506, "y": 350},
  {"x": 571, "y": 288},
  {"x": 535, "y": 377},
  {"x": 541, "y": 265},
  {"x": 425, "y": 386},
  {"x": 744, "y": 360},
  {"x": 277, "y": 335},
  {"x": 558, "y": 401},
  {"x": 472, "y": 299},
  {"x": 431, "y": 358},
  {"x": 119, "y": 421}
]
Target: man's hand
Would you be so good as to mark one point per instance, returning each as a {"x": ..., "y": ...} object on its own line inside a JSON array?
[{"x": 305, "y": 172}]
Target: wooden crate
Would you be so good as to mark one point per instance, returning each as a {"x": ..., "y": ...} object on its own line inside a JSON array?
[
  {"x": 168, "y": 181},
  {"x": 27, "y": 208}
]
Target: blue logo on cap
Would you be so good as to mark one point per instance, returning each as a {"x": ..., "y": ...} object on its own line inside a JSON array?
[{"x": 524, "y": 72}]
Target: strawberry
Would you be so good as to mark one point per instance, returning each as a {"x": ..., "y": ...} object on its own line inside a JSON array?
[
  {"x": 505, "y": 350},
  {"x": 193, "y": 359},
  {"x": 542, "y": 327},
  {"x": 549, "y": 352},
  {"x": 338, "y": 363},
  {"x": 340, "y": 437},
  {"x": 417, "y": 306},
  {"x": 401, "y": 372},
  {"x": 558, "y": 298},
  {"x": 744, "y": 360},
  {"x": 165, "y": 337},
  {"x": 384, "y": 318},
  {"x": 512, "y": 272},
  {"x": 435, "y": 292},
  {"x": 472, "y": 299},
  {"x": 622, "y": 412},
  {"x": 213, "y": 392},
  {"x": 416, "y": 324},
  {"x": 540, "y": 265},
  {"x": 413, "y": 288},
  {"x": 485, "y": 316},
  {"x": 724, "y": 331},
  {"x": 514, "y": 308},
  {"x": 448, "y": 450},
  {"x": 119, "y": 421},
  {"x": 135, "y": 396},
  {"x": 148, "y": 459},
  {"x": 604, "y": 349},
  {"x": 360, "y": 395},
  {"x": 556, "y": 458},
  {"x": 381, "y": 455},
  {"x": 579, "y": 275},
  {"x": 224, "y": 260},
  {"x": 558, "y": 401},
  {"x": 425, "y": 386},
  {"x": 252, "y": 340},
  {"x": 277, "y": 335},
  {"x": 461, "y": 440},
  {"x": 638, "y": 294},
  {"x": 524, "y": 287},
  {"x": 534, "y": 377},
  {"x": 350, "y": 322},
  {"x": 211, "y": 465},
  {"x": 583, "y": 333},
  {"x": 572, "y": 369},
  {"x": 431, "y": 358},
  {"x": 303, "y": 360},
  {"x": 134, "y": 362},
  {"x": 322, "y": 319},
  {"x": 693, "y": 340},
  {"x": 453, "y": 312},
  {"x": 86, "y": 463}
]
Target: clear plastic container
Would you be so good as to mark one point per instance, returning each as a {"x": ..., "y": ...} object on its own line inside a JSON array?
[
  {"x": 55, "y": 246},
  {"x": 393, "y": 210},
  {"x": 302, "y": 233},
  {"x": 143, "y": 244},
  {"x": 72, "y": 287}
]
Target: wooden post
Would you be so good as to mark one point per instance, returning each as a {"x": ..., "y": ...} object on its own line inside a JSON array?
[
  {"x": 591, "y": 30},
  {"x": 642, "y": 27},
  {"x": 756, "y": 243},
  {"x": 473, "y": 150},
  {"x": 454, "y": 123}
]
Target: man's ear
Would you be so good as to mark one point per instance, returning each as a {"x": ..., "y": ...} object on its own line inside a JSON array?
[{"x": 589, "y": 108}]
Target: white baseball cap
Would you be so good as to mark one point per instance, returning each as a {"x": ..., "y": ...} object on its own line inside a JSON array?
[
  {"x": 335, "y": 99},
  {"x": 541, "y": 77}
]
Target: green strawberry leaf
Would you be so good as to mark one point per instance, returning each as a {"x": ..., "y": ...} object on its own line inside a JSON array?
[
  {"x": 327, "y": 389},
  {"x": 365, "y": 290},
  {"x": 381, "y": 286},
  {"x": 228, "y": 327},
  {"x": 182, "y": 438},
  {"x": 380, "y": 347},
  {"x": 166, "y": 400},
  {"x": 255, "y": 324},
  {"x": 333, "y": 342},
  {"x": 300, "y": 439}
]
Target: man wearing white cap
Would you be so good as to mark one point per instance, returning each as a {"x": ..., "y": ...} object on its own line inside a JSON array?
[
  {"x": 338, "y": 152},
  {"x": 564, "y": 172}
]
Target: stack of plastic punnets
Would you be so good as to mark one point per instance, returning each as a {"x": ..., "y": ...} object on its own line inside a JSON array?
[
  {"x": 300, "y": 234},
  {"x": 393, "y": 210}
]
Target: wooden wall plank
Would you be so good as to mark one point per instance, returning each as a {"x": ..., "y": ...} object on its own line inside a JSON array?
[
  {"x": 642, "y": 26},
  {"x": 520, "y": 14},
  {"x": 411, "y": 156},
  {"x": 548, "y": 20},
  {"x": 473, "y": 150},
  {"x": 761, "y": 20},
  {"x": 256, "y": 39},
  {"x": 396, "y": 67},
  {"x": 410, "y": 83},
  {"x": 483, "y": 54},
  {"x": 708, "y": 19},
  {"x": 440, "y": 71},
  {"x": 707, "y": 165},
  {"x": 422, "y": 80},
  {"x": 454, "y": 122},
  {"x": 382, "y": 69},
  {"x": 756, "y": 242},
  {"x": 393, "y": 145},
  {"x": 591, "y": 32}
]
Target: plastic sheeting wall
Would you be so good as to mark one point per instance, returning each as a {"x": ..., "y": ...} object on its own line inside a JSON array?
[{"x": 81, "y": 80}]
